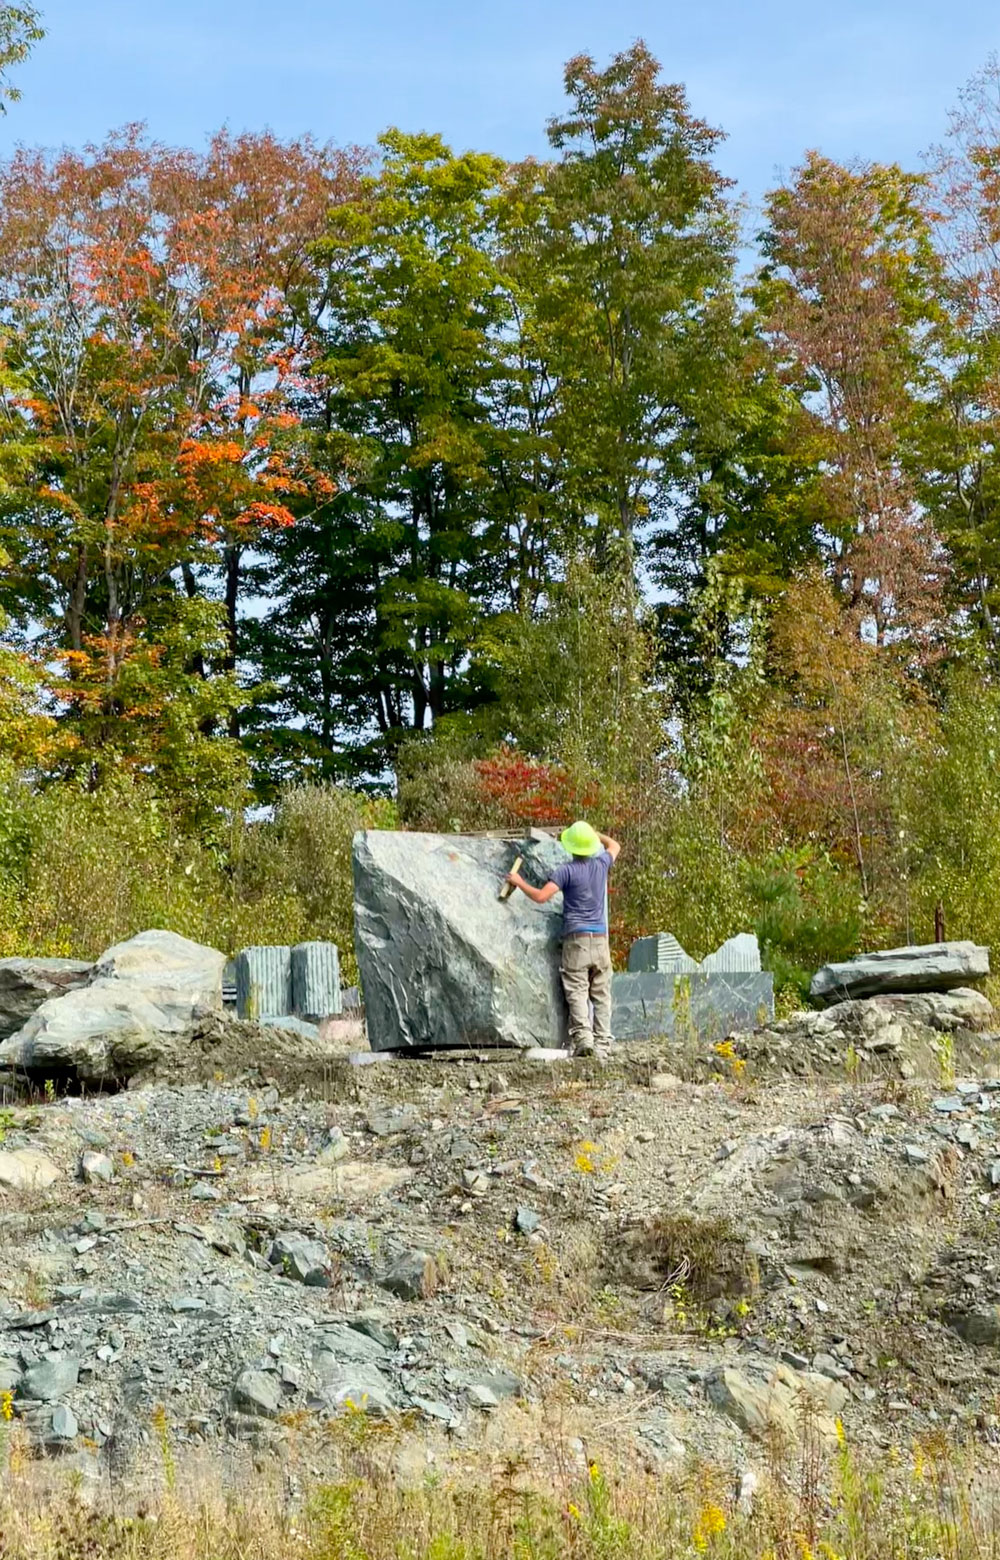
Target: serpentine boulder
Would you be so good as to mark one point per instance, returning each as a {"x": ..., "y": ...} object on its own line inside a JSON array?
[
  {"x": 444, "y": 963},
  {"x": 931, "y": 967},
  {"x": 141, "y": 996}
]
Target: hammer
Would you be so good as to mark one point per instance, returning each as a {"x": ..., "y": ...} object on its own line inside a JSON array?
[{"x": 508, "y": 888}]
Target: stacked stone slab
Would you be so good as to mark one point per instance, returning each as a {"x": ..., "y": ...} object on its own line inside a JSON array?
[
  {"x": 924, "y": 967},
  {"x": 649, "y": 1004},
  {"x": 666, "y": 992},
  {"x": 661, "y": 953},
  {"x": 276, "y": 981}
]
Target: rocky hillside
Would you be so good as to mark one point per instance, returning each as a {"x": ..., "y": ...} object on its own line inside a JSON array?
[{"x": 681, "y": 1253}]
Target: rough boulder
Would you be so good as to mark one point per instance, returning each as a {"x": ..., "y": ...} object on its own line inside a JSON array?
[
  {"x": 26, "y": 983},
  {"x": 141, "y": 993},
  {"x": 444, "y": 963}
]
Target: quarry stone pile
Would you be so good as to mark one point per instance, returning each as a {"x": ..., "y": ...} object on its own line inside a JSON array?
[
  {"x": 26, "y": 983},
  {"x": 155, "y": 985}
]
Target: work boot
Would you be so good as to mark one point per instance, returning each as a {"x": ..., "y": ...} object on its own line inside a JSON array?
[{"x": 585, "y": 1047}]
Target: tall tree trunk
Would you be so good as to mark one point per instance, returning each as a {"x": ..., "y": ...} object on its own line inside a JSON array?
[
  {"x": 233, "y": 558},
  {"x": 77, "y": 603}
]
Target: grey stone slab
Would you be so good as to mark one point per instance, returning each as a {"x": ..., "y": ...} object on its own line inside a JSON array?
[
  {"x": 444, "y": 963},
  {"x": 741, "y": 952},
  {"x": 661, "y": 952},
  {"x": 316, "y": 980},
  {"x": 926, "y": 967},
  {"x": 648, "y": 1004},
  {"x": 264, "y": 981}
]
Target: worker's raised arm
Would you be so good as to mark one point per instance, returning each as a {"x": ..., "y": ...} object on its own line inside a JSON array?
[
  {"x": 541, "y": 896},
  {"x": 612, "y": 847}
]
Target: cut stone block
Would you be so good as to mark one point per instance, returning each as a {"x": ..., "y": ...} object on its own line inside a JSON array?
[
  {"x": 928, "y": 967},
  {"x": 264, "y": 981},
  {"x": 664, "y": 953},
  {"x": 444, "y": 963},
  {"x": 741, "y": 952},
  {"x": 316, "y": 980},
  {"x": 661, "y": 952},
  {"x": 648, "y": 1004}
]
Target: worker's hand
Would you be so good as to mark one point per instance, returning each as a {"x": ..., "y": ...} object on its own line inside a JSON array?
[{"x": 514, "y": 878}]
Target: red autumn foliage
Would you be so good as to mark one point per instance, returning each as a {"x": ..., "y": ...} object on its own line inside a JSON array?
[
  {"x": 532, "y": 792},
  {"x": 157, "y": 314}
]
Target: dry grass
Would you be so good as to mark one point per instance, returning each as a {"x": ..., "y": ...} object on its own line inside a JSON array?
[
  {"x": 706, "y": 1256},
  {"x": 915, "y": 1508}
]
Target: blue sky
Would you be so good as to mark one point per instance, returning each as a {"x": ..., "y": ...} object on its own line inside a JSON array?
[{"x": 867, "y": 77}]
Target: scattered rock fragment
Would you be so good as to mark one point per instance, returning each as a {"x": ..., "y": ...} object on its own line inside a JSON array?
[
  {"x": 361, "y": 1388},
  {"x": 392, "y": 1122},
  {"x": 96, "y": 1167},
  {"x": 778, "y": 1405},
  {"x": 64, "y": 1423},
  {"x": 298, "y": 1257},
  {"x": 258, "y": 1392},
  {"x": 413, "y": 1276},
  {"x": 980, "y": 1328},
  {"x": 27, "y": 1170},
  {"x": 52, "y": 1378}
]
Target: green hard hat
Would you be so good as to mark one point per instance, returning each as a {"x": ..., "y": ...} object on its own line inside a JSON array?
[{"x": 580, "y": 839}]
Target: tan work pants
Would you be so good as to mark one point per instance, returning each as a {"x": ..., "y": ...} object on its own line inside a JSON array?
[{"x": 585, "y": 968}]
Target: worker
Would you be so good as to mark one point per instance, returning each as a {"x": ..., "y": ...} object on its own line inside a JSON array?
[{"x": 585, "y": 960}]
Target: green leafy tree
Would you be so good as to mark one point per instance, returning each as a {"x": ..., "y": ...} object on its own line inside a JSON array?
[
  {"x": 20, "y": 30},
  {"x": 631, "y": 244},
  {"x": 389, "y": 579}
]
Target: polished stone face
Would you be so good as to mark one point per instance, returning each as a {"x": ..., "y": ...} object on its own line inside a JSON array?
[{"x": 650, "y": 1003}]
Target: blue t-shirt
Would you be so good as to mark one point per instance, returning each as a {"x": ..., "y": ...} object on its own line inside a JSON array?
[{"x": 584, "y": 884}]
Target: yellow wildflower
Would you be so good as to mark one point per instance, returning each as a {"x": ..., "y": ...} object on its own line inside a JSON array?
[
  {"x": 584, "y": 1159},
  {"x": 712, "y": 1519},
  {"x": 7, "y": 1405},
  {"x": 841, "y": 1432}
]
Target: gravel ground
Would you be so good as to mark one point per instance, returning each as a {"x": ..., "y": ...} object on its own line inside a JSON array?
[{"x": 660, "y": 1259}]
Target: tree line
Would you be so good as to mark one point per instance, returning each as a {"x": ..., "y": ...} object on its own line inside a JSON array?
[{"x": 511, "y": 488}]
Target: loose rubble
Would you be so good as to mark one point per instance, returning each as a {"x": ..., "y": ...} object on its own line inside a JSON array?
[{"x": 689, "y": 1253}]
